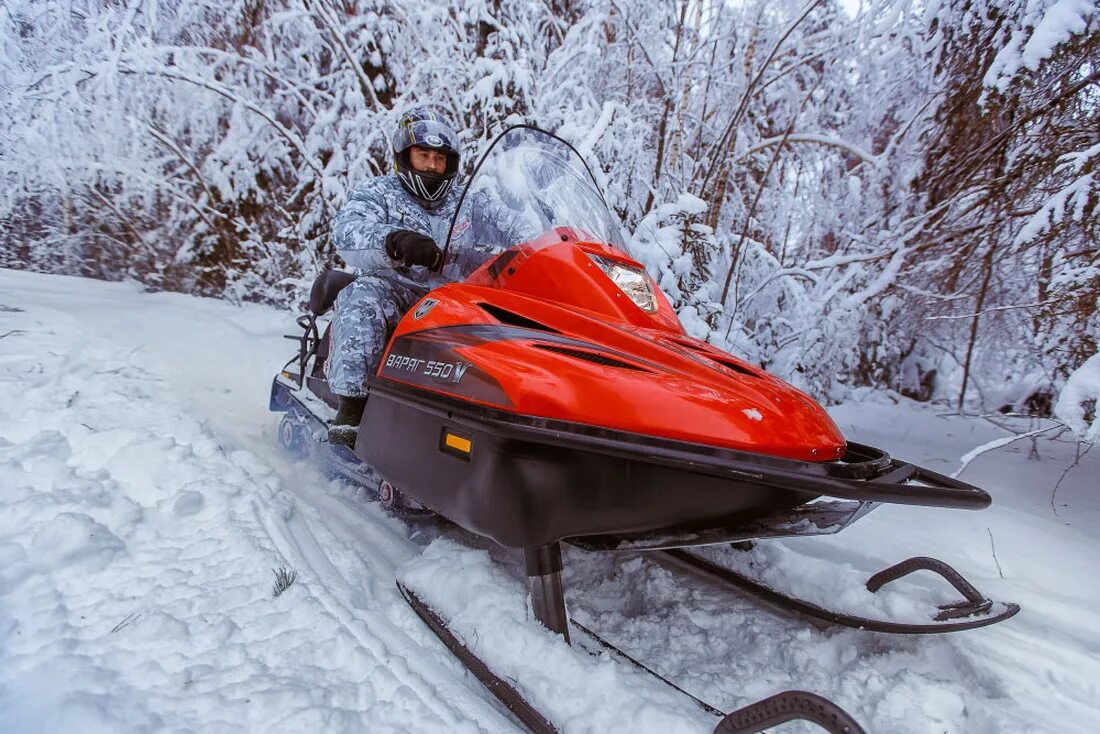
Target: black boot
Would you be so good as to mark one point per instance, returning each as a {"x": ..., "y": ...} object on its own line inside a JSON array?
[{"x": 345, "y": 427}]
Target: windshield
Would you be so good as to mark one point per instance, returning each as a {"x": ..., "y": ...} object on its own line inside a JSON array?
[{"x": 528, "y": 184}]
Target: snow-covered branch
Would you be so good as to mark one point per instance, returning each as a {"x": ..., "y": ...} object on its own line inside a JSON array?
[
  {"x": 223, "y": 91},
  {"x": 992, "y": 309},
  {"x": 969, "y": 457},
  {"x": 816, "y": 139}
]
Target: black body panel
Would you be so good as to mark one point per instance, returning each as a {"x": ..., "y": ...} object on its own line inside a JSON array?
[
  {"x": 528, "y": 481},
  {"x": 522, "y": 493}
]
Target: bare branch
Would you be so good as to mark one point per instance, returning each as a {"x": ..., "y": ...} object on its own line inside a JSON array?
[{"x": 994, "y": 309}]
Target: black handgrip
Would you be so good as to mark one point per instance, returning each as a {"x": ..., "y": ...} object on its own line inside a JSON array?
[
  {"x": 924, "y": 563},
  {"x": 974, "y": 602},
  {"x": 789, "y": 706}
]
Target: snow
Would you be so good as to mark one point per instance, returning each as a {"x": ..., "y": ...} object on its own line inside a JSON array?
[
  {"x": 1061, "y": 20},
  {"x": 753, "y": 414},
  {"x": 1045, "y": 28},
  {"x": 1073, "y": 197},
  {"x": 1081, "y": 387},
  {"x": 485, "y": 605},
  {"x": 144, "y": 504},
  {"x": 143, "y": 511}
]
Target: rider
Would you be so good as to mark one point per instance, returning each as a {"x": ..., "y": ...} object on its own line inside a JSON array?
[{"x": 390, "y": 230}]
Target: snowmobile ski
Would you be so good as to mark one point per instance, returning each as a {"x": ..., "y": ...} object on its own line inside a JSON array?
[
  {"x": 789, "y": 706},
  {"x": 756, "y": 717},
  {"x": 975, "y": 610},
  {"x": 512, "y": 699}
]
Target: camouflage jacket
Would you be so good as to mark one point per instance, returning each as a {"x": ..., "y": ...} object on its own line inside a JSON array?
[{"x": 377, "y": 207}]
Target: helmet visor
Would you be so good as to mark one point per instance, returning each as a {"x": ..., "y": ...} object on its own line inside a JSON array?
[{"x": 430, "y": 134}]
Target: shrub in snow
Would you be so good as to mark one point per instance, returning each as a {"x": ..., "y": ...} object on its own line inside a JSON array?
[{"x": 284, "y": 577}]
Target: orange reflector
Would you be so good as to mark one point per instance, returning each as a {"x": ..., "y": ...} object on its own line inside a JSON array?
[{"x": 458, "y": 443}]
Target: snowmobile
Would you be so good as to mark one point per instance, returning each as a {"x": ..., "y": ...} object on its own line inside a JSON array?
[{"x": 544, "y": 391}]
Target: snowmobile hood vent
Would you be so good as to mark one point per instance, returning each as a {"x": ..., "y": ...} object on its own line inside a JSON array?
[
  {"x": 590, "y": 357},
  {"x": 730, "y": 364},
  {"x": 711, "y": 356},
  {"x": 505, "y": 316}
]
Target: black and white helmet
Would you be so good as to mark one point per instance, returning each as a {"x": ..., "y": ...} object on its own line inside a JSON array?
[{"x": 426, "y": 128}]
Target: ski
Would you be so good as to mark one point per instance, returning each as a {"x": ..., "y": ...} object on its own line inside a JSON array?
[
  {"x": 512, "y": 699},
  {"x": 975, "y": 610},
  {"x": 756, "y": 717}
]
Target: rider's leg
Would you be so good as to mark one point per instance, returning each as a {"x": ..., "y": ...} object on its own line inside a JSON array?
[{"x": 367, "y": 312}]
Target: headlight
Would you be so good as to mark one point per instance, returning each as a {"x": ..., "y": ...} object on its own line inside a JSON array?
[{"x": 631, "y": 281}]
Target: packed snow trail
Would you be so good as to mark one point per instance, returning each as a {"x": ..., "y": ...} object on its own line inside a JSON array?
[
  {"x": 144, "y": 503},
  {"x": 138, "y": 541}
]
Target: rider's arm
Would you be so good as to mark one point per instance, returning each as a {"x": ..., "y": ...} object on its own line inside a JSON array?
[{"x": 360, "y": 228}]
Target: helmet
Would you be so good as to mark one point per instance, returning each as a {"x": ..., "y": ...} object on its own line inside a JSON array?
[{"x": 427, "y": 128}]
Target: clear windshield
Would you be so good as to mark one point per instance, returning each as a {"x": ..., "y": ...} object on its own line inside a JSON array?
[{"x": 528, "y": 184}]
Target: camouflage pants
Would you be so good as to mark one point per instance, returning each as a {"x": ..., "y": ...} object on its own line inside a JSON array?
[{"x": 367, "y": 312}]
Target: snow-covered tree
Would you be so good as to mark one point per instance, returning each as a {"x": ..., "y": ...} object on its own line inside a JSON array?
[{"x": 903, "y": 198}]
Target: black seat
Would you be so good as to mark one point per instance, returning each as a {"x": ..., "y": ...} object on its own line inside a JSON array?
[{"x": 325, "y": 289}]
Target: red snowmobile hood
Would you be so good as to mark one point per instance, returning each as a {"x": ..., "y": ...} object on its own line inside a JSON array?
[{"x": 542, "y": 330}]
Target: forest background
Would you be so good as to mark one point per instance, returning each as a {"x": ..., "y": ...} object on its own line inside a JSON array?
[{"x": 900, "y": 195}]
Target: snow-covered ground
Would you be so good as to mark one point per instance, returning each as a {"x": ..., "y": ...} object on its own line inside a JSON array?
[{"x": 144, "y": 504}]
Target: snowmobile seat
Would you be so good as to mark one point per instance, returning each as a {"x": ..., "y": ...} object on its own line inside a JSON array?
[{"x": 325, "y": 289}]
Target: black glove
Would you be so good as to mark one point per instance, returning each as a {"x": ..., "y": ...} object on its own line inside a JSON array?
[{"x": 412, "y": 248}]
